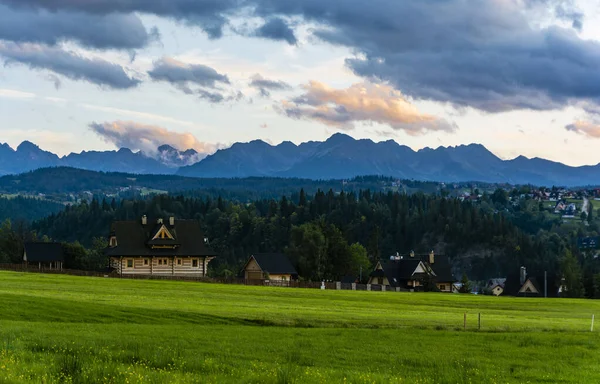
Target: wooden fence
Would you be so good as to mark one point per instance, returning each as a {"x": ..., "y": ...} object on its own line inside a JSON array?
[{"x": 269, "y": 283}]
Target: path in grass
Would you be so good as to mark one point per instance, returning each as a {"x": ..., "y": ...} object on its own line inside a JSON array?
[{"x": 95, "y": 329}]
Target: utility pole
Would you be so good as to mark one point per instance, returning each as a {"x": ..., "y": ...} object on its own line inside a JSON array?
[{"x": 545, "y": 284}]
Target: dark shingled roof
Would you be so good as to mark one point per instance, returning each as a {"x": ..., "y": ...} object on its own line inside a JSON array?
[
  {"x": 441, "y": 267},
  {"x": 275, "y": 263},
  {"x": 44, "y": 252},
  {"x": 135, "y": 239},
  {"x": 397, "y": 271}
]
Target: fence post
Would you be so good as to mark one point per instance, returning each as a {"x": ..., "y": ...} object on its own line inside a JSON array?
[
  {"x": 383, "y": 288},
  {"x": 592, "y": 328},
  {"x": 368, "y": 287},
  {"x": 354, "y": 286},
  {"x": 479, "y": 321},
  {"x": 338, "y": 285}
]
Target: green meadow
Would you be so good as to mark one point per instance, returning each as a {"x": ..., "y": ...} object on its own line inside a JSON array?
[{"x": 65, "y": 329}]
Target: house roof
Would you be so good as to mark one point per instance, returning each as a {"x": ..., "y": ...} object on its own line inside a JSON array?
[
  {"x": 44, "y": 252},
  {"x": 441, "y": 267},
  {"x": 397, "y": 271},
  {"x": 135, "y": 239},
  {"x": 274, "y": 263},
  {"x": 499, "y": 281}
]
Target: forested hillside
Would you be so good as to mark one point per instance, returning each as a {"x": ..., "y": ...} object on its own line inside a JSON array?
[
  {"x": 27, "y": 209},
  {"x": 329, "y": 235}
]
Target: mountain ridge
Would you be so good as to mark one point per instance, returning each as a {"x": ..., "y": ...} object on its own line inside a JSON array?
[{"x": 339, "y": 157}]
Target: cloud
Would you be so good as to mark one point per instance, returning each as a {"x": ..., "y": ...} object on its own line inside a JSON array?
[
  {"x": 122, "y": 31},
  {"x": 12, "y": 94},
  {"x": 585, "y": 128},
  {"x": 365, "y": 102},
  {"x": 500, "y": 55},
  {"x": 137, "y": 114},
  {"x": 209, "y": 15},
  {"x": 185, "y": 77},
  {"x": 488, "y": 56},
  {"x": 277, "y": 29},
  {"x": 182, "y": 74},
  {"x": 68, "y": 64},
  {"x": 266, "y": 85},
  {"x": 55, "y": 80},
  {"x": 147, "y": 138}
]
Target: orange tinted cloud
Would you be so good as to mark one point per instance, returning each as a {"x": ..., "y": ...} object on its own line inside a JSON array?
[
  {"x": 362, "y": 102},
  {"x": 585, "y": 128}
]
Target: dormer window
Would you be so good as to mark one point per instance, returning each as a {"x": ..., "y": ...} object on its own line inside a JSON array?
[{"x": 113, "y": 241}]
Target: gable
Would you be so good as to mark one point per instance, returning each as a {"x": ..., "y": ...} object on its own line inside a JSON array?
[
  {"x": 252, "y": 265},
  {"x": 163, "y": 233},
  {"x": 420, "y": 269},
  {"x": 528, "y": 287}
]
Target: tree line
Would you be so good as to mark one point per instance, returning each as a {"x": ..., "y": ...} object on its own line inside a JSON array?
[{"x": 329, "y": 235}]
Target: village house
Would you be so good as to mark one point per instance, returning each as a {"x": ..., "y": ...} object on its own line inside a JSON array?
[
  {"x": 269, "y": 266},
  {"x": 173, "y": 247},
  {"x": 43, "y": 255},
  {"x": 412, "y": 271},
  {"x": 496, "y": 286}
]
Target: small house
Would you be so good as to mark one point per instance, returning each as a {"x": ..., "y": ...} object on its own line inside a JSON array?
[
  {"x": 403, "y": 273},
  {"x": 269, "y": 266},
  {"x": 43, "y": 255},
  {"x": 496, "y": 286},
  {"x": 173, "y": 247},
  {"x": 412, "y": 271}
]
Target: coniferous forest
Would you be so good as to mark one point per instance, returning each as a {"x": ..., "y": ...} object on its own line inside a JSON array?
[{"x": 330, "y": 235}]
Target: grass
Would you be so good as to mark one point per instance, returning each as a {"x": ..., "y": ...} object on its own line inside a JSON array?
[{"x": 56, "y": 328}]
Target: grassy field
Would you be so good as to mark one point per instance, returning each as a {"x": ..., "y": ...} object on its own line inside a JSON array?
[{"x": 57, "y": 328}]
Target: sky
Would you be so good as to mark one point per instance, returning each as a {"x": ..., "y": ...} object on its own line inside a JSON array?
[{"x": 521, "y": 77}]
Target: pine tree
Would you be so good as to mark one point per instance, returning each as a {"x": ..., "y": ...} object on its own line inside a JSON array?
[{"x": 466, "y": 284}]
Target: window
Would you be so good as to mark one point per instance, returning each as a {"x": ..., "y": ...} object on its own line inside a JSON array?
[
  {"x": 195, "y": 263},
  {"x": 159, "y": 261},
  {"x": 145, "y": 261},
  {"x": 178, "y": 261},
  {"x": 129, "y": 263},
  {"x": 113, "y": 241},
  {"x": 166, "y": 261},
  {"x": 442, "y": 287}
]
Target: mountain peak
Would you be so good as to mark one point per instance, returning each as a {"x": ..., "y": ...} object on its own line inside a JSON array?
[
  {"x": 339, "y": 138},
  {"x": 27, "y": 146},
  {"x": 166, "y": 148}
]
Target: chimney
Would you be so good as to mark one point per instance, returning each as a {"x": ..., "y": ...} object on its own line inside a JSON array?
[
  {"x": 172, "y": 221},
  {"x": 144, "y": 220},
  {"x": 431, "y": 257},
  {"x": 159, "y": 221},
  {"x": 523, "y": 275},
  {"x": 412, "y": 253}
]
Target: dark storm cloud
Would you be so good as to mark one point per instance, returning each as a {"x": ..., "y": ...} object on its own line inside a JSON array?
[
  {"x": 487, "y": 56},
  {"x": 277, "y": 29},
  {"x": 265, "y": 85},
  {"x": 210, "y": 15},
  {"x": 67, "y": 64},
  {"x": 98, "y": 31}
]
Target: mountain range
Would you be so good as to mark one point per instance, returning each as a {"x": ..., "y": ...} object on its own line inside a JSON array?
[{"x": 339, "y": 157}]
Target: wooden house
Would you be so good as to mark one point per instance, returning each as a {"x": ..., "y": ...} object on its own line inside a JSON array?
[
  {"x": 44, "y": 255},
  {"x": 173, "y": 247},
  {"x": 269, "y": 266},
  {"x": 496, "y": 286},
  {"x": 411, "y": 271}
]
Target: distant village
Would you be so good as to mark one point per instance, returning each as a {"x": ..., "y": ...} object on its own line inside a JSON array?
[{"x": 178, "y": 249}]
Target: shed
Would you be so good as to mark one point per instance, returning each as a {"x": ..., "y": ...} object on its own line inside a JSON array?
[
  {"x": 44, "y": 255},
  {"x": 274, "y": 266}
]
